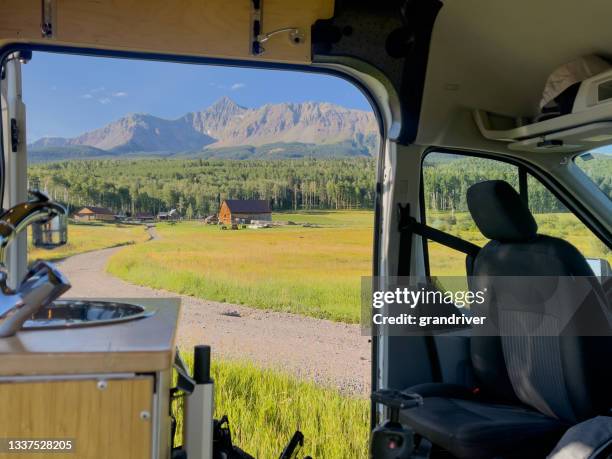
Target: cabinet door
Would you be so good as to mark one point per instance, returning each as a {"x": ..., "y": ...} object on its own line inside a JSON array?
[{"x": 109, "y": 419}]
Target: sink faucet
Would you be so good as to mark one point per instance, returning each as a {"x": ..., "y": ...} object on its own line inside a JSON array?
[
  {"x": 14, "y": 220},
  {"x": 44, "y": 283}
]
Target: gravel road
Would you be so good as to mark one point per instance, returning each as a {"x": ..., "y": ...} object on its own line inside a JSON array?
[{"x": 327, "y": 352}]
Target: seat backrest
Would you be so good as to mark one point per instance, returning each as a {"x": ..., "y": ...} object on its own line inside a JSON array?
[{"x": 561, "y": 376}]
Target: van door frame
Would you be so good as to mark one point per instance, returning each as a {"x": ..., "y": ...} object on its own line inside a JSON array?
[{"x": 374, "y": 85}]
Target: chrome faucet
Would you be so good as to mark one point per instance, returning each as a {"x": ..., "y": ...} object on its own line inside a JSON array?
[
  {"x": 43, "y": 283},
  {"x": 14, "y": 220}
]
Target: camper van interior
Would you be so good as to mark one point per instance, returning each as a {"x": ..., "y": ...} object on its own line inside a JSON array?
[{"x": 525, "y": 86}]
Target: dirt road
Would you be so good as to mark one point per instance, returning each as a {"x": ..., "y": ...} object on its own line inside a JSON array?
[{"x": 317, "y": 350}]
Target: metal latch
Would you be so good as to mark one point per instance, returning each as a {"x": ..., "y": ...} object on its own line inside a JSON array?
[
  {"x": 295, "y": 35},
  {"x": 256, "y": 18},
  {"x": 14, "y": 135},
  {"x": 258, "y": 37},
  {"x": 48, "y": 18}
]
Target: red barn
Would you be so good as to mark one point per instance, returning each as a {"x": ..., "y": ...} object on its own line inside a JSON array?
[{"x": 244, "y": 210}]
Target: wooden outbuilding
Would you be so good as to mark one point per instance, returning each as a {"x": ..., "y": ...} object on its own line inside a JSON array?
[
  {"x": 244, "y": 210},
  {"x": 90, "y": 213}
]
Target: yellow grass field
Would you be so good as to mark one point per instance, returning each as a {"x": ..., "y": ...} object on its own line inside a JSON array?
[
  {"x": 313, "y": 271},
  {"x": 85, "y": 237}
]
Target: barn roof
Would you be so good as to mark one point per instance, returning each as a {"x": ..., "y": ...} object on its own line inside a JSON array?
[
  {"x": 248, "y": 206},
  {"x": 97, "y": 210}
]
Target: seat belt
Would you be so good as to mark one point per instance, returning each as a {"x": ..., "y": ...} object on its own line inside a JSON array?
[{"x": 407, "y": 226}]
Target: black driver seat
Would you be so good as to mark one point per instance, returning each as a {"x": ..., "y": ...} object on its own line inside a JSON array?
[{"x": 530, "y": 389}]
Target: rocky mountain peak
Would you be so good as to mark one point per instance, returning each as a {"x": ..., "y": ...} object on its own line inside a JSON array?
[
  {"x": 225, "y": 105},
  {"x": 228, "y": 124}
]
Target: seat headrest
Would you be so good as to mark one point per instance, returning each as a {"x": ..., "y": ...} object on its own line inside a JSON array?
[{"x": 500, "y": 213}]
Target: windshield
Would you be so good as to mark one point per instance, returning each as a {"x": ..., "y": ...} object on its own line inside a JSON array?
[{"x": 597, "y": 165}]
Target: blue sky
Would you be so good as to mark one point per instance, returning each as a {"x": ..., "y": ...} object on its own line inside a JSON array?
[{"x": 66, "y": 95}]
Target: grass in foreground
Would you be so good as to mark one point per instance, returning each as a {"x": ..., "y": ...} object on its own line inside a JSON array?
[
  {"x": 265, "y": 407},
  {"x": 310, "y": 271},
  {"x": 85, "y": 237}
]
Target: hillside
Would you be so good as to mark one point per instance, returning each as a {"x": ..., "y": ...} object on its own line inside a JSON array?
[{"x": 225, "y": 130}]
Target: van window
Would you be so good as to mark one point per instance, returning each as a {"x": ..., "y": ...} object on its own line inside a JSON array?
[
  {"x": 597, "y": 165},
  {"x": 554, "y": 219},
  {"x": 446, "y": 178}
]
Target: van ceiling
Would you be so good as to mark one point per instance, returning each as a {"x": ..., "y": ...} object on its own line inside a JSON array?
[
  {"x": 205, "y": 28},
  {"x": 497, "y": 56}
]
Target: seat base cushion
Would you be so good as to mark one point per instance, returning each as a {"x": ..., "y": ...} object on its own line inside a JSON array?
[
  {"x": 470, "y": 429},
  {"x": 444, "y": 390}
]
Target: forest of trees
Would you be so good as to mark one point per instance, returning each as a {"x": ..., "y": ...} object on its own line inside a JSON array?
[
  {"x": 447, "y": 177},
  {"x": 196, "y": 187}
]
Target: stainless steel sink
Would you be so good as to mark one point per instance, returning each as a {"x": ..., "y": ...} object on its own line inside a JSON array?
[{"x": 84, "y": 313}]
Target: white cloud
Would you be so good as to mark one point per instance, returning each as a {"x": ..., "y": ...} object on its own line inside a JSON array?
[
  {"x": 87, "y": 96},
  {"x": 104, "y": 100},
  {"x": 120, "y": 94},
  {"x": 101, "y": 88},
  {"x": 218, "y": 86},
  {"x": 237, "y": 86}
]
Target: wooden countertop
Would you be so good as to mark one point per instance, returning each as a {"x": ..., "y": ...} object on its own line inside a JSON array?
[{"x": 141, "y": 345}]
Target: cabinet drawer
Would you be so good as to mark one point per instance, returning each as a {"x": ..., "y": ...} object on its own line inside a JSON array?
[{"x": 112, "y": 419}]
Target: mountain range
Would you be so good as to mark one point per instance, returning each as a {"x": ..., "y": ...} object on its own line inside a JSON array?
[{"x": 225, "y": 130}]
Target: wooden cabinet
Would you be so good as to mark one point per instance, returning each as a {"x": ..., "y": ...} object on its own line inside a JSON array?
[
  {"x": 50, "y": 386},
  {"x": 105, "y": 418}
]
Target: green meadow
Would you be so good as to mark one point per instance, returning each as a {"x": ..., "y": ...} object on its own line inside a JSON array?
[
  {"x": 265, "y": 407},
  {"x": 314, "y": 271},
  {"x": 86, "y": 237}
]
